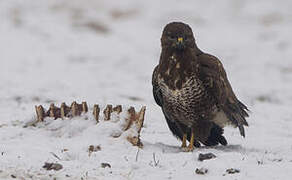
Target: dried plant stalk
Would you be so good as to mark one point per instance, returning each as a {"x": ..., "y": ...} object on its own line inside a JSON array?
[
  {"x": 133, "y": 119},
  {"x": 40, "y": 113},
  {"x": 74, "y": 109},
  {"x": 140, "y": 120},
  {"x": 135, "y": 141},
  {"x": 130, "y": 119},
  {"x": 64, "y": 110},
  {"x": 52, "y": 110},
  {"x": 84, "y": 107},
  {"x": 63, "y": 106},
  {"x": 107, "y": 112},
  {"x": 118, "y": 109},
  {"x": 96, "y": 111}
]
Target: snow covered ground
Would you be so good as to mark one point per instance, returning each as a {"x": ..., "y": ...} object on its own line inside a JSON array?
[{"x": 104, "y": 52}]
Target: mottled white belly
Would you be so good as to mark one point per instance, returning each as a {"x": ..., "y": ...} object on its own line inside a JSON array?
[
  {"x": 190, "y": 103},
  {"x": 183, "y": 104}
]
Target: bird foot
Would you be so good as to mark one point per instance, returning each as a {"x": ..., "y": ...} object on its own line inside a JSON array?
[
  {"x": 187, "y": 149},
  {"x": 184, "y": 145}
]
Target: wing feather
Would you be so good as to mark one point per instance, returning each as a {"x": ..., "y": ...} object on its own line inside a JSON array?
[
  {"x": 216, "y": 82},
  {"x": 156, "y": 90}
]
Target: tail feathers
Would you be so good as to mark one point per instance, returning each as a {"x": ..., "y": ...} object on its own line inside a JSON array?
[
  {"x": 243, "y": 108},
  {"x": 241, "y": 130},
  {"x": 237, "y": 112},
  {"x": 216, "y": 137},
  {"x": 237, "y": 121}
]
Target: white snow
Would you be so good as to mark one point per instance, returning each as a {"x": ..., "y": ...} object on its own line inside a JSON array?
[{"x": 105, "y": 51}]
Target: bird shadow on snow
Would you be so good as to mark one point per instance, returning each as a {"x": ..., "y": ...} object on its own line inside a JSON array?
[
  {"x": 176, "y": 149},
  {"x": 228, "y": 148},
  {"x": 232, "y": 148},
  {"x": 162, "y": 147}
]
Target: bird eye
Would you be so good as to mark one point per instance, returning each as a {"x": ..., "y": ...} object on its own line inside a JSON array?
[{"x": 172, "y": 37}]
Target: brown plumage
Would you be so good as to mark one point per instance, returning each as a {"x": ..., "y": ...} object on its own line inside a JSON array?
[{"x": 193, "y": 90}]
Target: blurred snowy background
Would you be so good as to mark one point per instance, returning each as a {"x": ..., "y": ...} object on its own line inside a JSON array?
[{"x": 105, "y": 51}]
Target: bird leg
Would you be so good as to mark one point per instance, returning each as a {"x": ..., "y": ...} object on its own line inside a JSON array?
[
  {"x": 191, "y": 145},
  {"x": 184, "y": 141}
]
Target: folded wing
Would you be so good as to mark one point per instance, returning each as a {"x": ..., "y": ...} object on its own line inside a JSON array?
[{"x": 215, "y": 80}]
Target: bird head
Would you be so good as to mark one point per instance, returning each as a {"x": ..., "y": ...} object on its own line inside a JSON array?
[{"x": 177, "y": 36}]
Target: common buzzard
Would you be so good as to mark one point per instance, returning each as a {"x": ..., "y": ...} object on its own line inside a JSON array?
[{"x": 193, "y": 91}]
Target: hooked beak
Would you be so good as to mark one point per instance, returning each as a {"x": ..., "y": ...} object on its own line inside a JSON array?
[{"x": 180, "y": 43}]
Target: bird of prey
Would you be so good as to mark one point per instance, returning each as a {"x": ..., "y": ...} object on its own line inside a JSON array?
[{"x": 193, "y": 91}]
